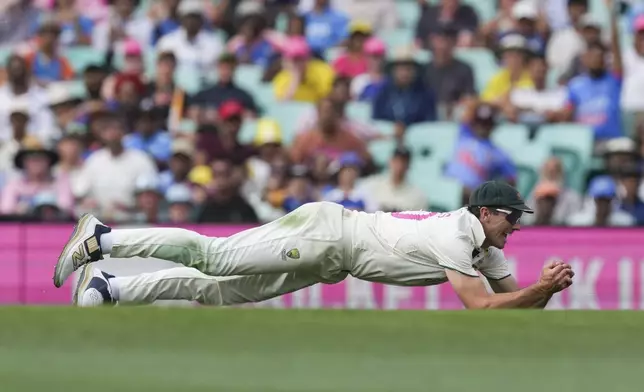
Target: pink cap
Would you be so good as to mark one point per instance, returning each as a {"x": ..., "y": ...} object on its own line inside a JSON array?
[
  {"x": 132, "y": 48},
  {"x": 375, "y": 46},
  {"x": 639, "y": 23},
  {"x": 296, "y": 47}
]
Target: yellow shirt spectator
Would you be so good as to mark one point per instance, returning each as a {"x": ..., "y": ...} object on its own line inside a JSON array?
[
  {"x": 315, "y": 84},
  {"x": 501, "y": 84}
]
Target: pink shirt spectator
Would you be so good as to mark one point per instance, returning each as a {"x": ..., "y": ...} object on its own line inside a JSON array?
[
  {"x": 96, "y": 10},
  {"x": 349, "y": 66},
  {"x": 18, "y": 194},
  {"x": 364, "y": 131}
]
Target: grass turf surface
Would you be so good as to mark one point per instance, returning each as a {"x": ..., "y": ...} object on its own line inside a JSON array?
[{"x": 242, "y": 350}]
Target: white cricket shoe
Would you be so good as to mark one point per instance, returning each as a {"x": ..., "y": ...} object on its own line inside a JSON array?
[
  {"x": 93, "y": 288},
  {"x": 84, "y": 246}
]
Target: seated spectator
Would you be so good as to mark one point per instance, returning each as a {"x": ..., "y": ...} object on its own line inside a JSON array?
[
  {"x": 461, "y": 16},
  {"x": 195, "y": 47},
  {"x": 391, "y": 191},
  {"x": 133, "y": 66},
  {"x": 17, "y": 19},
  {"x": 108, "y": 180},
  {"x": 94, "y": 77},
  {"x": 225, "y": 203},
  {"x": 354, "y": 61},
  {"x": 632, "y": 99},
  {"x": 123, "y": 23},
  {"x": 128, "y": 94},
  {"x": 620, "y": 152},
  {"x": 568, "y": 43},
  {"x": 601, "y": 208},
  {"x": 252, "y": 44},
  {"x": 76, "y": 28},
  {"x": 179, "y": 165},
  {"x": 450, "y": 78},
  {"x": 325, "y": 27},
  {"x": 65, "y": 109},
  {"x": 476, "y": 159},
  {"x": 299, "y": 188},
  {"x": 46, "y": 209},
  {"x": 502, "y": 23},
  {"x": 70, "y": 165},
  {"x": 148, "y": 199},
  {"x": 366, "y": 86},
  {"x": 539, "y": 104},
  {"x": 594, "y": 97},
  {"x": 347, "y": 169},
  {"x": 204, "y": 105},
  {"x": 147, "y": 138},
  {"x": 169, "y": 22},
  {"x": 591, "y": 33},
  {"x": 166, "y": 98},
  {"x": 45, "y": 62},
  {"x": 180, "y": 204},
  {"x": 294, "y": 28},
  {"x": 404, "y": 99},
  {"x": 341, "y": 96},
  {"x": 328, "y": 137},
  {"x": 35, "y": 163},
  {"x": 514, "y": 74},
  {"x": 529, "y": 24},
  {"x": 554, "y": 202},
  {"x": 19, "y": 119},
  {"x": 629, "y": 181},
  {"x": 302, "y": 78}
]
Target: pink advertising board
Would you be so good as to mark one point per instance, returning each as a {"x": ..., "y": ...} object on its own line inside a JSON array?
[{"x": 609, "y": 266}]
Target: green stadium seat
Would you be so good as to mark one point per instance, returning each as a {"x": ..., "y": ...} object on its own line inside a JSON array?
[
  {"x": 408, "y": 13},
  {"x": 573, "y": 144},
  {"x": 398, "y": 38},
  {"x": 385, "y": 127},
  {"x": 510, "y": 137},
  {"x": 435, "y": 139},
  {"x": 483, "y": 64},
  {"x": 81, "y": 57},
  {"x": 191, "y": 82},
  {"x": 4, "y": 55},
  {"x": 288, "y": 115},
  {"x": 248, "y": 76},
  {"x": 529, "y": 159},
  {"x": 360, "y": 111},
  {"x": 443, "y": 193},
  {"x": 381, "y": 151},
  {"x": 247, "y": 132}
]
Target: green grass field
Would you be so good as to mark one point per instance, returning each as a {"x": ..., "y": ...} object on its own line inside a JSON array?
[{"x": 186, "y": 350}]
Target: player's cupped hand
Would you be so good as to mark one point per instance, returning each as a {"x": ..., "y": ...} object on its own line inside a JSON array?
[{"x": 556, "y": 276}]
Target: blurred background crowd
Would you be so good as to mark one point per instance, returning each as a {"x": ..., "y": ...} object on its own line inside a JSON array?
[{"x": 239, "y": 111}]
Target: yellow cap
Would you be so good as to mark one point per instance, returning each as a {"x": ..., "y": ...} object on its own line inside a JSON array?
[
  {"x": 268, "y": 131},
  {"x": 359, "y": 26},
  {"x": 201, "y": 175}
]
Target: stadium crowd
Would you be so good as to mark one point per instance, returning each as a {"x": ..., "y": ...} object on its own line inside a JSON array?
[{"x": 179, "y": 111}]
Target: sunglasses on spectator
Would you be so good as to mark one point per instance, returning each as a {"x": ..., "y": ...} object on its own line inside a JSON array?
[{"x": 512, "y": 216}]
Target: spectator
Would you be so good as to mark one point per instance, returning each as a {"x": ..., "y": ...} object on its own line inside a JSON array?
[
  {"x": 628, "y": 186},
  {"x": 19, "y": 118},
  {"x": 354, "y": 61},
  {"x": 591, "y": 32},
  {"x": 94, "y": 78},
  {"x": 180, "y": 204},
  {"x": 166, "y": 98},
  {"x": 514, "y": 74},
  {"x": 195, "y": 48},
  {"x": 392, "y": 191},
  {"x": 65, "y": 108},
  {"x": 46, "y": 64},
  {"x": 35, "y": 163},
  {"x": 299, "y": 189},
  {"x": 123, "y": 23},
  {"x": 108, "y": 180},
  {"x": 133, "y": 66},
  {"x": 169, "y": 22},
  {"x": 325, "y": 27},
  {"x": 302, "y": 78},
  {"x": 45, "y": 209},
  {"x": 404, "y": 99},
  {"x": 295, "y": 28},
  {"x": 148, "y": 138},
  {"x": 554, "y": 202},
  {"x": 204, "y": 105},
  {"x": 632, "y": 100},
  {"x": 16, "y": 21},
  {"x": 366, "y": 86},
  {"x": 148, "y": 199},
  {"x": 328, "y": 138},
  {"x": 225, "y": 204},
  {"x": 341, "y": 96},
  {"x": 530, "y": 25},
  {"x": 128, "y": 94},
  {"x": 450, "y": 78},
  {"x": 620, "y": 152},
  {"x": 594, "y": 97},
  {"x": 461, "y": 16},
  {"x": 76, "y": 28},
  {"x": 347, "y": 169},
  {"x": 601, "y": 207},
  {"x": 381, "y": 15},
  {"x": 502, "y": 24},
  {"x": 476, "y": 159},
  {"x": 70, "y": 165},
  {"x": 179, "y": 166},
  {"x": 538, "y": 104},
  {"x": 568, "y": 43},
  {"x": 252, "y": 45}
]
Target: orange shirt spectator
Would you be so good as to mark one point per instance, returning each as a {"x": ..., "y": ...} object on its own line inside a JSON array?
[{"x": 46, "y": 64}]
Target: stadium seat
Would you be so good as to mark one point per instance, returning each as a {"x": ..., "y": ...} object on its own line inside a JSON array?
[
  {"x": 247, "y": 132},
  {"x": 248, "y": 76},
  {"x": 510, "y": 137},
  {"x": 359, "y": 111},
  {"x": 81, "y": 57},
  {"x": 398, "y": 38},
  {"x": 385, "y": 127},
  {"x": 435, "y": 139},
  {"x": 408, "y": 13},
  {"x": 443, "y": 193},
  {"x": 483, "y": 64},
  {"x": 381, "y": 151},
  {"x": 485, "y": 9},
  {"x": 288, "y": 115},
  {"x": 188, "y": 80},
  {"x": 573, "y": 144},
  {"x": 4, "y": 55},
  {"x": 529, "y": 159}
]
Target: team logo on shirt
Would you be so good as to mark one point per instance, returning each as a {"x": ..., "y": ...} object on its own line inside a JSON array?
[{"x": 291, "y": 254}]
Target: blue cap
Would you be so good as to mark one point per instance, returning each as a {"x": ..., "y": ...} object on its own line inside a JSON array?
[
  {"x": 350, "y": 159},
  {"x": 603, "y": 187}
]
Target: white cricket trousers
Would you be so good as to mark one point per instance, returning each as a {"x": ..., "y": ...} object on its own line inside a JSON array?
[{"x": 310, "y": 245}]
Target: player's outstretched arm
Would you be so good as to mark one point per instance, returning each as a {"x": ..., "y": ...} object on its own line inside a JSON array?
[{"x": 474, "y": 295}]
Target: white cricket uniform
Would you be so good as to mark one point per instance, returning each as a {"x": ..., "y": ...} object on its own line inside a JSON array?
[{"x": 316, "y": 243}]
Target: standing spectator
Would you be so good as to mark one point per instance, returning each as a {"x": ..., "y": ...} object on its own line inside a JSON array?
[
  {"x": 147, "y": 137},
  {"x": 601, "y": 208},
  {"x": 46, "y": 64},
  {"x": 328, "y": 138},
  {"x": 591, "y": 32},
  {"x": 180, "y": 204},
  {"x": 594, "y": 97},
  {"x": 461, "y": 16},
  {"x": 632, "y": 97},
  {"x": 514, "y": 74},
  {"x": 35, "y": 163},
  {"x": 179, "y": 166},
  {"x": 347, "y": 169},
  {"x": 391, "y": 191},
  {"x": 225, "y": 204},
  {"x": 476, "y": 159},
  {"x": 204, "y": 105},
  {"x": 450, "y": 78},
  {"x": 252, "y": 44},
  {"x": 123, "y": 23},
  {"x": 568, "y": 43},
  {"x": 404, "y": 98},
  {"x": 302, "y": 78},
  {"x": 108, "y": 180},
  {"x": 354, "y": 62},
  {"x": 325, "y": 27},
  {"x": 76, "y": 28},
  {"x": 195, "y": 47},
  {"x": 169, "y": 22},
  {"x": 16, "y": 21},
  {"x": 366, "y": 86}
]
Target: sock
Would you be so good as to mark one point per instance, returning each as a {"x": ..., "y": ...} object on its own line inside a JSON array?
[
  {"x": 115, "y": 285},
  {"x": 106, "y": 243}
]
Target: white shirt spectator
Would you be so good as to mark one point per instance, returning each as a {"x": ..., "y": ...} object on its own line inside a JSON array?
[
  {"x": 40, "y": 117},
  {"x": 138, "y": 28},
  {"x": 539, "y": 101},
  {"x": 632, "y": 97},
  {"x": 586, "y": 217},
  {"x": 563, "y": 47},
  {"x": 198, "y": 55},
  {"x": 388, "y": 197}
]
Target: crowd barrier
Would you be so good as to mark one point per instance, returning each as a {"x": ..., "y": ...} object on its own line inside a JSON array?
[{"x": 609, "y": 267}]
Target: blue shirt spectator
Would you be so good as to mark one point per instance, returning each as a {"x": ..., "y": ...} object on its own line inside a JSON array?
[
  {"x": 164, "y": 27},
  {"x": 157, "y": 143},
  {"x": 325, "y": 27}
]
